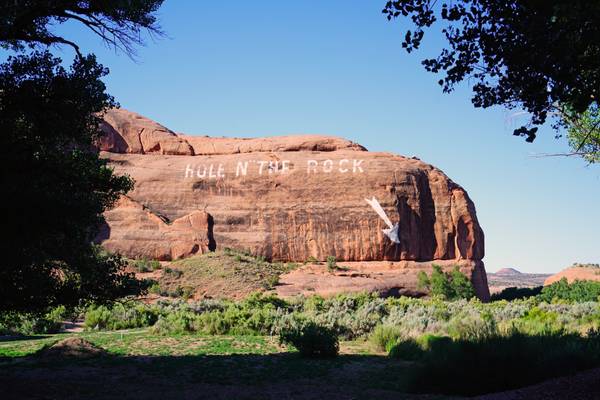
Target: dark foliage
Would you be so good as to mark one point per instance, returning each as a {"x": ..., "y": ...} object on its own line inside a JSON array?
[
  {"x": 55, "y": 185},
  {"x": 497, "y": 363},
  {"x": 537, "y": 55},
  {"x": 27, "y": 23},
  {"x": 311, "y": 340},
  {"x": 578, "y": 291},
  {"x": 514, "y": 293}
]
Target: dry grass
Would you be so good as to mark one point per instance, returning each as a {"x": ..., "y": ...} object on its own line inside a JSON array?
[{"x": 222, "y": 274}]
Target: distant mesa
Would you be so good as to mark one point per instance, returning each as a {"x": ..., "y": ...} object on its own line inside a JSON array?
[
  {"x": 511, "y": 277},
  {"x": 286, "y": 198},
  {"x": 508, "y": 272}
]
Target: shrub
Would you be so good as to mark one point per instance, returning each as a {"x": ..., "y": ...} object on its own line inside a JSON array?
[
  {"x": 578, "y": 291},
  {"x": 155, "y": 289},
  {"x": 462, "y": 288},
  {"x": 384, "y": 337},
  {"x": 270, "y": 282},
  {"x": 187, "y": 292},
  {"x": 415, "y": 349},
  {"x": 448, "y": 286},
  {"x": 311, "y": 340},
  {"x": 472, "y": 326},
  {"x": 120, "y": 316},
  {"x": 178, "y": 322},
  {"x": 174, "y": 273},
  {"x": 539, "y": 321},
  {"x": 31, "y": 324},
  {"x": 499, "y": 363},
  {"x": 145, "y": 265},
  {"x": 331, "y": 263}
]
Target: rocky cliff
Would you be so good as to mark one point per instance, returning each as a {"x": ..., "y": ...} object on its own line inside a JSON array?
[{"x": 286, "y": 198}]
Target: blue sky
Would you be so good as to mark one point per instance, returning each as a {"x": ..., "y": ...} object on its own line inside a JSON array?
[{"x": 241, "y": 68}]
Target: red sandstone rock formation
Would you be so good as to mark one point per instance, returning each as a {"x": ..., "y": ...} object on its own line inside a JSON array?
[
  {"x": 574, "y": 273},
  {"x": 128, "y": 132},
  {"x": 135, "y": 231},
  {"x": 286, "y": 198}
]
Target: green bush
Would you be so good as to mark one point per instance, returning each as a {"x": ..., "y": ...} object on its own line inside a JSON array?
[
  {"x": 578, "y": 291},
  {"x": 120, "y": 316},
  {"x": 472, "y": 326},
  {"x": 416, "y": 349},
  {"x": 155, "y": 289},
  {"x": 499, "y": 363},
  {"x": 311, "y": 340},
  {"x": 31, "y": 324},
  {"x": 173, "y": 273},
  {"x": 538, "y": 321},
  {"x": 448, "y": 286},
  {"x": 384, "y": 337},
  {"x": 331, "y": 263},
  {"x": 145, "y": 265},
  {"x": 270, "y": 282},
  {"x": 178, "y": 322}
]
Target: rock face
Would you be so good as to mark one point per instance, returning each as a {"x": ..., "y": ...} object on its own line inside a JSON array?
[
  {"x": 286, "y": 198},
  {"x": 136, "y": 232},
  {"x": 581, "y": 272},
  {"x": 127, "y": 132}
]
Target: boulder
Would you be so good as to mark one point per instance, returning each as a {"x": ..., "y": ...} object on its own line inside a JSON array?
[
  {"x": 288, "y": 198},
  {"x": 128, "y": 132},
  {"x": 133, "y": 230}
]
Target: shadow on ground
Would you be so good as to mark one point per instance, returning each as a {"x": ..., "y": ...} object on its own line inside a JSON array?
[
  {"x": 273, "y": 376},
  {"x": 238, "y": 376}
]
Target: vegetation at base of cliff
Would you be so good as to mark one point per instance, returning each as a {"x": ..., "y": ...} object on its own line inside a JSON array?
[
  {"x": 448, "y": 286},
  {"x": 144, "y": 265}
]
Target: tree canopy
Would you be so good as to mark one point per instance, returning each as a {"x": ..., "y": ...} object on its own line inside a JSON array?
[
  {"x": 119, "y": 23},
  {"x": 55, "y": 185},
  {"x": 542, "y": 56},
  {"x": 449, "y": 286}
]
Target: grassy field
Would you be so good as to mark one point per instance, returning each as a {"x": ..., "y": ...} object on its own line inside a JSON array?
[
  {"x": 137, "y": 362},
  {"x": 388, "y": 348}
]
